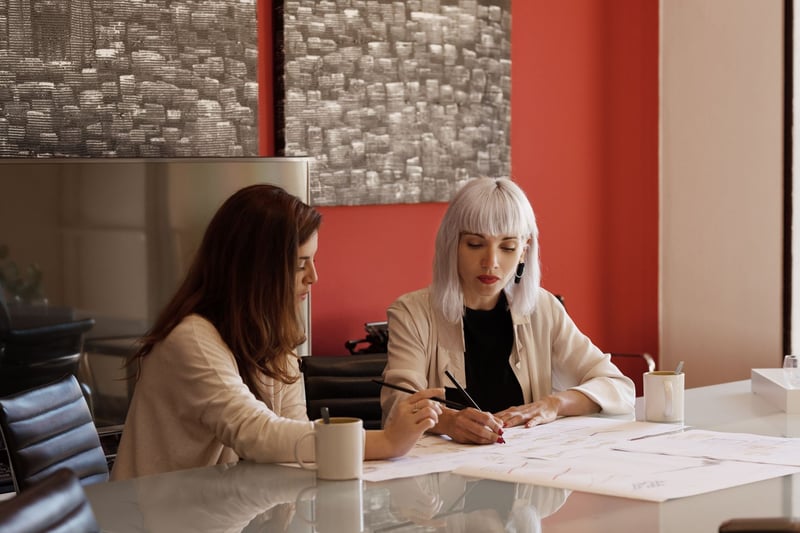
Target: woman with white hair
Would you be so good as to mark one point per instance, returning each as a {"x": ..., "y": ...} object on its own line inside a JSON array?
[{"x": 486, "y": 322}]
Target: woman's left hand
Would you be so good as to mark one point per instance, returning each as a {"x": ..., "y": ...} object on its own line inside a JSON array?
[
  {"x": 547, "y": 409},
  {"x": 531, "y": 414}
]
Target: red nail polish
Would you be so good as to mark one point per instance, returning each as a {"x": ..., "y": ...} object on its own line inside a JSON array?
[{"x": 501, "y": 440}]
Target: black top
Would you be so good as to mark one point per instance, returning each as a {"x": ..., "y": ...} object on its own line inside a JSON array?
[{"x": 489, "y": 338}]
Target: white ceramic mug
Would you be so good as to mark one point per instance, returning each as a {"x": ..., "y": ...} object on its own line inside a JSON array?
[
  {"x": 338, "y": 506},
  {"x": 791, "y": 371},
  {"x": 338, "y": 446},
  {"x": 663, "y": 396}
]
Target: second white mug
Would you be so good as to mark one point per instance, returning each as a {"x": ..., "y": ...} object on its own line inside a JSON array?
[{"x": 663, "y": 396}]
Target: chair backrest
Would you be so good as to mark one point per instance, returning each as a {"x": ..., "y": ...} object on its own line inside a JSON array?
[
  {"x": 344, "y": 385},
  {"x": 48, "y": 428},
  {"x": 56, "y": 503},
  {"x": 39, "y": 347}
]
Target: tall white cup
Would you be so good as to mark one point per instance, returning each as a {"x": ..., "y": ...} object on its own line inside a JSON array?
[
  {"x": 338, "y": 446},
  {"x": 338, "y": 506},
  {"x": 663, "y": 396}
]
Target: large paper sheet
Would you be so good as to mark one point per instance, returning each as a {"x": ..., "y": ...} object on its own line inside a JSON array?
[
  {"x": 564, "y": 437},
  {"x": 646, "y": 461}
]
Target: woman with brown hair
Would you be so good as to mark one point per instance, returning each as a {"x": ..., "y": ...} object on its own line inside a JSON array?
[{"x": 217, "y": 375}]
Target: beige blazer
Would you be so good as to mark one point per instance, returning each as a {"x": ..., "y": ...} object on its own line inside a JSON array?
[
  {"x": 549, "y": 354},
  {"x": 191, "y": 408}
]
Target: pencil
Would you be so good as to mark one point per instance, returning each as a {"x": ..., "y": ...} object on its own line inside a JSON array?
[
  {"x": 461, "y": 389},
  {"x": 448, "y": 403}
]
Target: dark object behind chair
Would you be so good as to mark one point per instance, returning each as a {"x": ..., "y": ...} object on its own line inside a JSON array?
[
  {"x": 344, "y": 385},
  {"x": 56, "y": 503},
  {"x": 48, "y": 428},
  {"x": 376, "y": 340}
]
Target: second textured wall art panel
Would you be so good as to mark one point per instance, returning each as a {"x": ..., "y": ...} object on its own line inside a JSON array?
[{"x": 396, "y": 101}]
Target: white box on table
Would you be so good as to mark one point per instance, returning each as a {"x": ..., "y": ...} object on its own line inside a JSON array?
[{"x": 772, "y": 384}]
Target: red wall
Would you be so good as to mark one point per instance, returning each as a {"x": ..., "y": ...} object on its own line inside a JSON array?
[{"x": 584, "y": 147}]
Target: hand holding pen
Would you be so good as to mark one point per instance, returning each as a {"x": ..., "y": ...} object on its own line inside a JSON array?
[
  {"x": 408, "y": 420},
  {"x": 471, "y": 426},
  {"x": 487, "y": 420}
]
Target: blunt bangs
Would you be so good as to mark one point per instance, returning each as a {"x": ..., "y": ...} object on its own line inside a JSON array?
[{"x": 496, "y": 213}]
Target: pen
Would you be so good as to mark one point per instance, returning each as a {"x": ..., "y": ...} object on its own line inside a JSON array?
[
  {"x": 448, "y": 403},
  {"x": 461, "y": 389}
]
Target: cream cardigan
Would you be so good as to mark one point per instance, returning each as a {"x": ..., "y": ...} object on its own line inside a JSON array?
[
  {"x": 549, "y": 354},
  {"x": 191, "y": 408}
]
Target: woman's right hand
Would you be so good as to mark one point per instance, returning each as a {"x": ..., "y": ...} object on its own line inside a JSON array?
[
  {"x": 470, "y": 426},
  {"x": 407, "y": 422}
]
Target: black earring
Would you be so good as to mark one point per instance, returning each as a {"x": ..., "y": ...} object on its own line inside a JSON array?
[{"x": 520, "y": 270}]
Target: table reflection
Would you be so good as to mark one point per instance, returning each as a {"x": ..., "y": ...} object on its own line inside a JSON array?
[
  {"x": 249, "y": 497},
  {"x": 452, "y": 503}
]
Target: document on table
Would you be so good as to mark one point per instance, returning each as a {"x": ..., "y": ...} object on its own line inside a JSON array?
[
  {"x": 606, "y": 456},
  {"x": 562, "y": 438}
]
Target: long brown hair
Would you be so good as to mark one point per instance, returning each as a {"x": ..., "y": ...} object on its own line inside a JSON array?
[{"x": 242, "y": 280}]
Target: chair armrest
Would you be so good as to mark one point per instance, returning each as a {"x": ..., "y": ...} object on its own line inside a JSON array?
[
  {"x": 648, "y": 359},
  {"x": 759, "y": 525}
]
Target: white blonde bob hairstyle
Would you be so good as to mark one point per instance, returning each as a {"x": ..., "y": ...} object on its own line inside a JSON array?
[{"x": 487, "y": 206}]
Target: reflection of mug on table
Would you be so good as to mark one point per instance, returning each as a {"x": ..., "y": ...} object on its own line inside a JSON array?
[
  {"x": 663, "y": 396},
  {"x": 338, "y": 447},
  {"x": 338, "y": 506}
]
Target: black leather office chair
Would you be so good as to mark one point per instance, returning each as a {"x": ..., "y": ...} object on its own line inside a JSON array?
[
  {"x": 48, "y": 428},
  {"x": 38, "y": 344},
  {"x": 344, "y": 385},
  {"x": 56, "y": 503}
]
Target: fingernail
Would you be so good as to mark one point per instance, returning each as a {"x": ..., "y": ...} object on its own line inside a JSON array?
[
  {"x": 501, "y": 440},
  {"x": 500, "y": 431}
]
